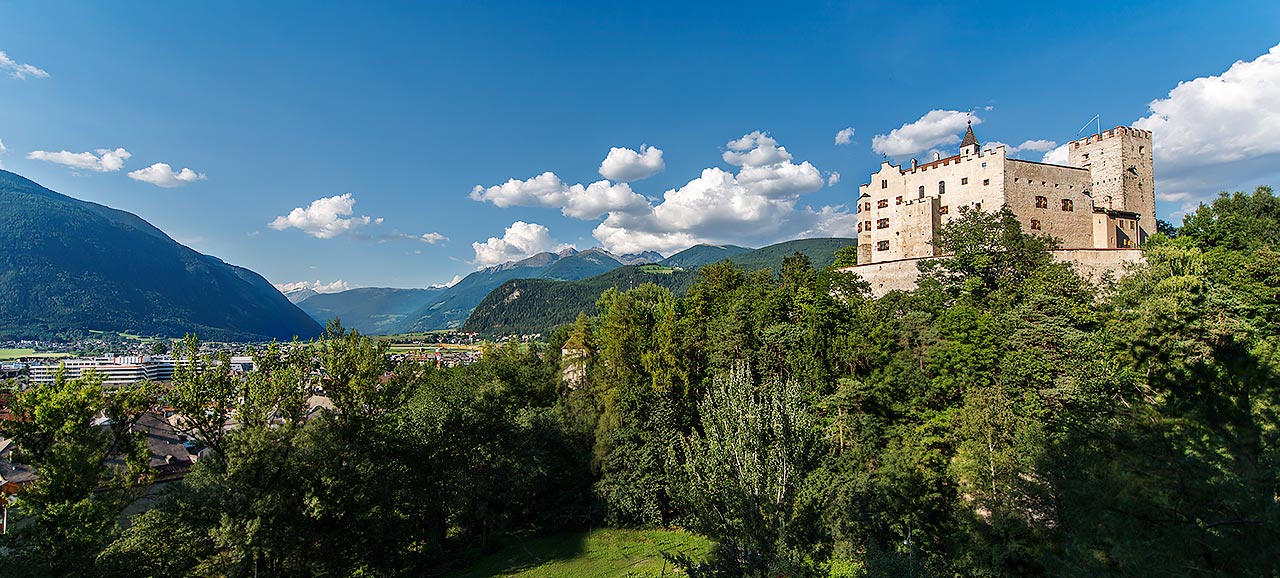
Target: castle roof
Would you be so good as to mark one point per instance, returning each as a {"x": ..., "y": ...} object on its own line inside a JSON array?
[{"x": 969, "y": 138}]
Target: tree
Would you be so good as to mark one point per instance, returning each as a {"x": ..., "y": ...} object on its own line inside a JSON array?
[
  {"x": 89, "y": 463},
  {"x": 742, "y": 477}
]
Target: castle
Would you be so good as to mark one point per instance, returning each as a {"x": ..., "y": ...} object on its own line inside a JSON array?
[{"x": 1101, "y": 207}]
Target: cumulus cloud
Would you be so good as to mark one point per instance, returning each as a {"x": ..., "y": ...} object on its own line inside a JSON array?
[
  {"x": 758, "y": 204},
  {"x": 324, "y": 218},
  {"x": 833, "y": 179},
  {"x": 936, "y": 127},
  {"x": 1217, "y": 132},
  {"x": 624, "y": 164},
  {"x": 1039, "y": 145},
  {"x": 162, "y": 175},
  {"x": 18, "y": 70},
  {"x": 317, "y": 286},
  {"x": 547, "y": 190},
  {"x": 101, "y": 160},
  {"x": 1057, "y": 155},
  {"x": 845, "y": 136},
  {"x": 519, "y": 241}
]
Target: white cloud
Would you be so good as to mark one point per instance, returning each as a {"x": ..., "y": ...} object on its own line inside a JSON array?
[
  {"x": 1039, "y": 145},
  {"x": 433, "y": 238},
  {"x": 2, "y": 150},
  {"x": 101, "y": 160},
  {"x": 520, "y": 240},
  {"x": 1057, "y": 156},
  {"x": 162, "y": 175},
  {"x": 18, "y": 70},
  {"x": 624, "y": 164},
  {"x": 317, "y": 286},
  {"x": 547, "y": 190},
  {"x": 1217, "y": 133},
  {"x": 756, "y": 149},
  {"x": 755, "y": 205},
  {"x": 845, "y": 136},
  {"x": 936, "y": 127},
  {"x": 324, "y": 218},
  {"x": 833, "y": 179}
]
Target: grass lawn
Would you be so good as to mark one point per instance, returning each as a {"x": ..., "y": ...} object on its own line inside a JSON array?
[
  {"x": 659, "y": 269},
  {"x": 603, "y": 553},
  {"x": 7, "y": 354}
]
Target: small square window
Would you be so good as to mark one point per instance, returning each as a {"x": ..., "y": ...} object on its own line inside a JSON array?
[
  {"x": 1035, "y": 224},
  {"x": 859, "y": 227},
  {"x": 882, "y": 246},
  {"x": 897, "y": 201},
  {"x": 1042, "y": 202},
  {"x": 866, "y": 226},
  {"x": 882, "y": 203},
  {"x": 1067, "y": 205},
  {"x": 882, "y": 224},
  {"x": 964, "y": 180},
  {"x": 943, "y": 210}
]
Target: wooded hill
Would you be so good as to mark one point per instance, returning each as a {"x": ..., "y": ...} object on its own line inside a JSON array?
[
  {"x": 69, "y": 266},
  {"x": 527, "y": 306}
]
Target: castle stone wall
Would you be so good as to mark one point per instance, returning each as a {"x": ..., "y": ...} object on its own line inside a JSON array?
[
  {"x": 1096, "y": 265},
  {"x": 1027, "y": 180}
]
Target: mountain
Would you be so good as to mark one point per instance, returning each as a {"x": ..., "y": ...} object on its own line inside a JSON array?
[
  {"x": 451, "y": 308},
  {"x": 699, "y": 255},
  {"x": 67, "y": 264},
  {"x": 297, "y": 296},
  {"x": 525, "y": 306},
  {"x": 369, "y": 310},
  {"x": 643, "y": 258},
  {"x": 538, "y": 305},
  {"x": 821, "y": 252}
]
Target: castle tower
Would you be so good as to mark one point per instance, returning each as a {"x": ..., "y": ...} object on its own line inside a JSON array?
[
  {"x": 1120, "y": 168},
  {"x": 969, "y": 146}
]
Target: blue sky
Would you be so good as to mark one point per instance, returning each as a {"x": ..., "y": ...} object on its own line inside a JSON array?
[{"x": 290, "y": 115}]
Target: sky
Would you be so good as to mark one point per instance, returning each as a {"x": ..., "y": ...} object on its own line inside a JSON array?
[{"x": 340, "y": 145}]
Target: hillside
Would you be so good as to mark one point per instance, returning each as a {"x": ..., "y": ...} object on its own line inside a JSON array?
[
  {"x": 699, "y": 255},
  {"x": 538, "y": 305},
  {"x": 67, "y": 264},
  {"x": 822, "y": 252},
  {"x": 452, "y": 307},
  {"x": 369, "y": 310}
]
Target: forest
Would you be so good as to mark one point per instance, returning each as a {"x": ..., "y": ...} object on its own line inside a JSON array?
[{"x": 1005, "y": 418}]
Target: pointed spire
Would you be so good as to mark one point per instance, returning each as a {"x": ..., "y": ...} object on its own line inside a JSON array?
[{"x": 969, "y": 138}]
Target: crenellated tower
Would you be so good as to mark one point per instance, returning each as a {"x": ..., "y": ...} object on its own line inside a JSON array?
[{"x": 1120, "y": 168}]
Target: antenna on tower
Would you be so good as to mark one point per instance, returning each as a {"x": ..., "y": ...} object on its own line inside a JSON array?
[{"x": 1097, "y": 117}]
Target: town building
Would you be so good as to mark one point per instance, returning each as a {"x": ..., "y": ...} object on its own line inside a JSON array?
[
  {"x": 114, "y": 370},
  {"x": 1100, "y": 206}
]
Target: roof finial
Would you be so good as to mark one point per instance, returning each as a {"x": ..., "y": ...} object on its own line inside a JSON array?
[{"x": 969, "y": 138}]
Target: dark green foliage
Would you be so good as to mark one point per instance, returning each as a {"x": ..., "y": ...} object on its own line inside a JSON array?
[
  {"x": 87, "y": 473},
  {"x": 525, "y": 306},
  {"x": 68, "y": 265},
  {"x": 821, "y": 253},
  {"x": 1005, "y": 418}
]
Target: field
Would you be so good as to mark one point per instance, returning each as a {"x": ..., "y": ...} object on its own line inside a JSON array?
[
  {"x": 7, "y": 354},
  {"x": 599, "y": 553},
  {"x": 659, "y": 269}
]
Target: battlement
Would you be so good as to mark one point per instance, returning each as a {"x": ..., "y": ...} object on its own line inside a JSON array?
[{"x": 1117, "y": 131}]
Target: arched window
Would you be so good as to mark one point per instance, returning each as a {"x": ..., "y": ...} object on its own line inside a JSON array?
[{"x": 942, "y": 187}]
